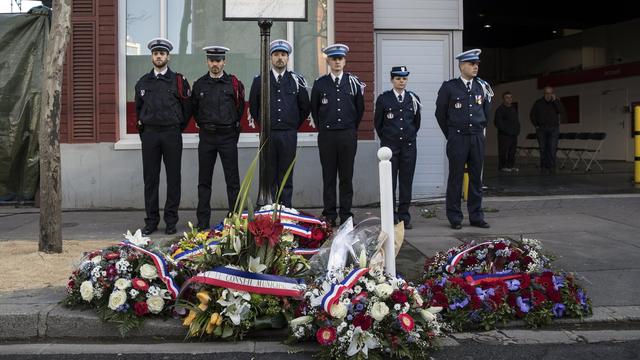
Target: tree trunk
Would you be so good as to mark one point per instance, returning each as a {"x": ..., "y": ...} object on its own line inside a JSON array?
[{"x": 48, "y": 136}]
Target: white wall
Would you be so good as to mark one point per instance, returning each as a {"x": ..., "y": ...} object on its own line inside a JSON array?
[
  {"x": 593, "y": 111},
  {"x": 418, "y": 14},
  {"x": 97, "y": 176}
]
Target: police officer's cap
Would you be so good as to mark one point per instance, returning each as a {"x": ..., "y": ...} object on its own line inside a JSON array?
[
  {"x": 215, "y": 52},
  {"x": 336, "y": 50},
  {"x": 399, "y": 71},
  {"x": 280, "y": 45},
  {"x": 160, "y": 44},
  {"x": 469, "y": 56}
]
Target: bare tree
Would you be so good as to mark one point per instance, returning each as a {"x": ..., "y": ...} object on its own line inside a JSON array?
[{"x": 48, "y": 136}]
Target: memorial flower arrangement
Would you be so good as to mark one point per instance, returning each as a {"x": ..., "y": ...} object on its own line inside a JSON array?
[
  {"x": 357, "y": 314},
  {"x": 482, "y": 285},
  {"x": 125, "y": 283}
]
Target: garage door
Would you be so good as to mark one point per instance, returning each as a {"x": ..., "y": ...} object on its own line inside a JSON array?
[{"x": 427, "y": 56}]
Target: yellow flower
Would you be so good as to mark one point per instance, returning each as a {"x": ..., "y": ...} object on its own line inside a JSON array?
[
  {"x": 215, "y": 320},
  {"x": 189, "y": 318},
  {"x": 204, "y": 298}
]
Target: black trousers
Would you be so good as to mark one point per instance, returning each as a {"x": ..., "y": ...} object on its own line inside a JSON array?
[
  {"x": 463, "y": 149},
  {"x": 210, "y": 145},
  {"x": 548, "y": 143},
  {"x": 158, "y": 147},
  {"x": 403, "y": 166},
  {"x": 283, "y": 150},
  {"x": 337, "y": 155},
  {"x": 507, "y": 145}
]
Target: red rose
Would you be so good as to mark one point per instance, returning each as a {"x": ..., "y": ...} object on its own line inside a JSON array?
[
  {"x": 139, "y": 284},
  {"x": 537, "y": 298},
  {"x": 363, "y": 320},
  {"x": 500, "y": 246},
  {"x": 141, "y": 308},
  {"x": 525, "y": 281},
  {"x": 326, "y": 335},
  {"x": 554, "y": 295},
  {"x": 526, "y": 261},
  {"x": 398, "y": 297},
  {"x": 440, "y": 299},
  {"x": 112, "y": 256},
  {"x": 514, "y": 256},
  {"x": 470, "y": 261},
  {"x": 317, "y": 234}
]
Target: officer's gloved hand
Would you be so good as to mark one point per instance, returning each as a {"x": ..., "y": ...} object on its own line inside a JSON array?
[{"x": 140, "y": 127}]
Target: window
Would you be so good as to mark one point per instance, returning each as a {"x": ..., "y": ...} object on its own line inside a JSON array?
[{"x": 193, "y": 24}]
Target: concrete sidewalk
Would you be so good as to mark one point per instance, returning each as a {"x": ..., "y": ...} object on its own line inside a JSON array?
[{"x": 594, "y": 236}]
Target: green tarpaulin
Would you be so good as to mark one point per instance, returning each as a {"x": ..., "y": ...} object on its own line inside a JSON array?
[{"x": 22, "y": 44}]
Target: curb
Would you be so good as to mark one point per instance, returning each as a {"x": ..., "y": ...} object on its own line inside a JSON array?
[{"x": 53, "y": 321}]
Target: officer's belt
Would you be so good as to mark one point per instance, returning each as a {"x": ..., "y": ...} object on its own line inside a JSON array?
[
  {"x": 215, "y": 128},
  {"x": 160, "y": 128}
]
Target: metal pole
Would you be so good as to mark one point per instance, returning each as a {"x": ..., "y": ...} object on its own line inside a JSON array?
[
  {"x": 636, "y": 133},
  {"x": 265, "y": 178},
  {"x": 386, "y": 209}
]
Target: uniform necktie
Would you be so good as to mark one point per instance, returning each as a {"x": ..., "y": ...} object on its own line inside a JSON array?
[
  {"x": 400, "y": 98},
  {"x": 468, "y": 86},
  {"x": 279, "y": 78},
  {"x": 337, "y": 81}
]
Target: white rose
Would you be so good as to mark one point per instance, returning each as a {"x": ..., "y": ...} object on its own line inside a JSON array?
[
  {"x": 379, "y": 310},
  {"x": 338, "y": 310},
  {"x": 86, "y": 290},
  {"x": 117, "y": 299},
  {"x": 96, "y": 259},
  {"x": 148, "y": 272},
  {"x": 155, "y": 304},
  {"x": 122, "y": 284},
  {"x": 383, "y": 290}
]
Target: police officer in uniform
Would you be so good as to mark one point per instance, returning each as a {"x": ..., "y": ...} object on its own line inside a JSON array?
[
  {"x": 462, "y": 110},
  {"x": 397, "y": 121},
  {"x": 289, "y": 107},
  {"x": 218, "y": 106},
  {"x": 163, "y": 111},
  {"x": 337, "y": 106}
]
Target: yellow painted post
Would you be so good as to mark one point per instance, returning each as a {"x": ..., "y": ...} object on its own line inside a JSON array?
[
  {"x": 465, "y": 183},
  {"x": 636, "y": 133}
]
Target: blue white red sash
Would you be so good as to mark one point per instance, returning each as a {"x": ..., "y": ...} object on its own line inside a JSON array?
[
  {"x": 296, "y": 229},
  {"x": 453, "y": 262},
  {"x": 333, "y": 296},
  {"x": 161, "y": 266},
  {"x": 477, "y": 279},
  {"x": 288, "y": 216},
  {"x": 189, "y": 254},
  {"x": 226, "y": 277}
]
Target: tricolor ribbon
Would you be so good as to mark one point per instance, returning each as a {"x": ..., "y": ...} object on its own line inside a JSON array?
[
  {"x": 288, "y": 216},
  {"x": 189, "y": 254},
  {"x": 453, "y": 262},
  {"x": 333, "y": 296},
  {"x": 161, "y": 266},
  {"x": 240, "y": 280},
  {"x": 477, "y": 279},
  {"x": 296, "y": 229}
]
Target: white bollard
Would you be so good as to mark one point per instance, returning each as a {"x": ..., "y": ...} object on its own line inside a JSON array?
[{"x": 386, "y": 209}]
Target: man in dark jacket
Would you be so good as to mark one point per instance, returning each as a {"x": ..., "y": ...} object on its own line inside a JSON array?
[
  {"x": 163, "y": 111},
  {"x": 289, "y": 107},
  {"x": 218, "y": 106},
  {"x": 337, "y": 106},
  {"x": 397, "y": 121},
  {"x": 545, "y": 116},
  {"x": 462, "y": 110},
  {"x": 508, "y": 125}
]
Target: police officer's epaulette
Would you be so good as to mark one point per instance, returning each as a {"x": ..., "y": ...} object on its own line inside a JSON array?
[
  {"x": 486, "y": 89},
  {"x": 299, "y": 80},
  {"x": 354, "y": 83}
]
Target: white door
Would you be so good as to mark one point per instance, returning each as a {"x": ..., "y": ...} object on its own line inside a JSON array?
[
  {"x": 428, "y": 58},
  {"x": 615, "y": 122}
]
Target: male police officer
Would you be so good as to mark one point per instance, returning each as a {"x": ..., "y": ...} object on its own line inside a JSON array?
[
  {"x": 397, "y": 121},
  {"x": 218, "y": 106},
  {"x": 289, "y": 107},
  {"x": 337, "y": 105},
  {"x": 462, "y": 110},
  {"x": 163, "y": 111}
]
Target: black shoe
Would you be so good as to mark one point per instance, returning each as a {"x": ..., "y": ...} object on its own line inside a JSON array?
[
  {"x": 170, "y": 230},
  {"x": 456, "y": 226},
  {"x": 481, "y": 224},
  {"x": 407, "y": 225},
  {"x": 149, "y": 229}
]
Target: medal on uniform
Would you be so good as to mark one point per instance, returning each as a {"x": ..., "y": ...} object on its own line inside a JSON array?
[
  {"x": 479, "y": 99},
  {"x": 324, "y": 101},
  {"x": 458, "y": 105},
  {"x": 390, "y": 115},
  {"x": 142, "y": 92}
]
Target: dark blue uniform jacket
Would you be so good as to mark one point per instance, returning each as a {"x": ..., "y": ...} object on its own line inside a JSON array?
[
  {"x": 397, "y": 121},
  {"x": 461, "y": 112},
  {"x": 335, "y": 108},
  {"x": 289, "y": 104}
]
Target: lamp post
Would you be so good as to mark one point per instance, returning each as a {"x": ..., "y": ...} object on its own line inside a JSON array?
[{"x": 265, "y": 178}]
